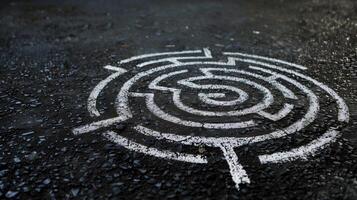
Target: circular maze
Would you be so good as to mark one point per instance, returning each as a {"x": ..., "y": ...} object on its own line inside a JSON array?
[{"x": 191, "y": 99}]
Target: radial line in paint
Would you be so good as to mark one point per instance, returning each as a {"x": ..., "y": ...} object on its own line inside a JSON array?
[
  {"x": 97, "y": 125},
  {"x": 239, "y": 175}
]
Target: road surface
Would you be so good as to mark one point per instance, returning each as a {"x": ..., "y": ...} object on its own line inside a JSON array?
[{"x": 53, "y": 56}]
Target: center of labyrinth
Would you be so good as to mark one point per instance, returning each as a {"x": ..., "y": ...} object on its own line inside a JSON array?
[{"x": 189, "y": 98}]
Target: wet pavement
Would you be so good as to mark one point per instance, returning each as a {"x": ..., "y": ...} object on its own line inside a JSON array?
[{"x": 52, "y": 55}]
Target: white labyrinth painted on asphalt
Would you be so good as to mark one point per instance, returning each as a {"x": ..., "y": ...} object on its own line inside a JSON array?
[{"x": 212, "y": 83}]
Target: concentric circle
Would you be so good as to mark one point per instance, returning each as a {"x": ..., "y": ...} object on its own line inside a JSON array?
[{"x": 233, "y": 100}]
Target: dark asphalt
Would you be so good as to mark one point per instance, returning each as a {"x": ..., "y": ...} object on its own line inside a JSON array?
[{"x": 52, "y": 54}]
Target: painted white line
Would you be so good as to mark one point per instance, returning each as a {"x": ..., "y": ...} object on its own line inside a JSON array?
[
  {"x": 122, "y": 101},
  {"x": 302, "y": 152},
  {"x": 271, "y": 79},
  {"x": 268, "y": 98},
  {"x": 157, "y": 111},
  {"x": 92, "y": 99},
  {"x": 279, "y": 115},
  {"x": 233, "y": 125},
  {"x": 239, "y": 175},
  {"x": 191, "y": 140},
  {"x": 154, "y": 85},
  {"x": 309, "y": 117},
  {"x": 215, "y": 95},
  {"x": 97, "y": 125},
  {"x": 122, "y": 98},
  {"x": 210, "y": 98},
  {"x": 175, "y": 60},
  {"x": 158, "y": 54},
  {"x": 112, "y": 136},
  {"x": 343, "y": 113},
  {"x": 265, "y": 58},
  {"x": 114, "y": 68},
  {"x": 123, "y": 109},
  {"x": 311, "y": 112}
]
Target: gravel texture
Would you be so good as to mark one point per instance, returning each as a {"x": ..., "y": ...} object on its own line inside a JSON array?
[{"x": 51, "y": 56}]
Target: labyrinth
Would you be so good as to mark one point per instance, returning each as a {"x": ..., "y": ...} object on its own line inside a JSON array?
[{"x": 176, "y": 103}]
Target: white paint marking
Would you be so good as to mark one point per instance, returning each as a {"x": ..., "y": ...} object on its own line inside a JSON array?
[
  {"x": 343, "y": 113},
  {"x": 233, "y": 125},
  {"x": 155, "y": 83},
  {"x": 153, "y": 108},
  {"x": 122, "y": 101},
  {"x": 156, "y": 110},
  {"x": 158, "y": 54},
  {"x": 209, "y": 98},
  {"x": 112, "y": 136},
  {"x": 114, "y": 68},
  {"x": 189, "y": 140},
  {"x": 189, "y": 82},
  {"x": 239, "y": 175},
  {"x": 92, "y": 99},
  {"x": 267, "y": 59},
  {"x": 97, "y": 125},
  {"x": 302, "y": 152},
  {"x": 226, "y": 144},
  {"x": 138, "y": 94},
  {"x": 279, "y": 115},
  {"x": 207, "y": 52},
  {"x": 233, "y": 141},
  {"x": 175, "y": 60},
  {"x": 213, "y": 95},
  {"x": 307, "y": 119},
  {"x": 213, "y": 141},
  {"x": 271, "y": 79},
  {"x": 122, "y": 98}
]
